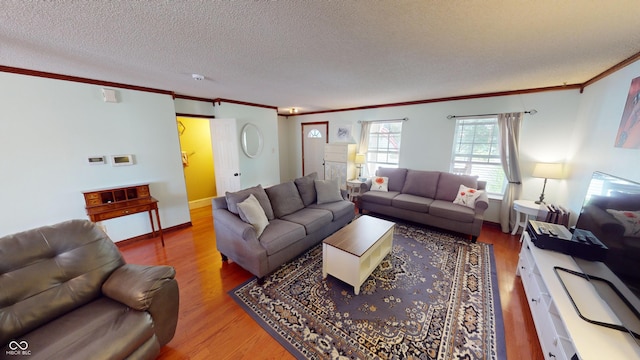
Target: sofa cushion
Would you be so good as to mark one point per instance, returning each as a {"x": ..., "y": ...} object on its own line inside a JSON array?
[
  {"x": 411, "y": 202},
  {"x": 102, "y": 329},
  {"x": 327, "y": 191},
  {"x": 467, "y": 196},
  {"x": 251, "y": 212},
  {"x": 379, "y": 197},
  {"x": 233, "y": 198},
  {"x": 451, "y": 211},
  {"x": 421, "y": 183},
  {"x": 379, "y": 183},
  {"x": 280, "y": 234},
  {"x": 312, "y": 219},
  {"x": 307, "y": 188},
  {"x": 339, "y": 209},
  {"x": 285, "y": 199},
  {"x": 448, "y": 185},
  {"x": 396, "y": 177}
]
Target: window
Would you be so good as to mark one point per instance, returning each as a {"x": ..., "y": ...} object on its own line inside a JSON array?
[
  {"x": 384, "y": 145},
  {"x": 476, "y": 152},
  {"x": 315, "y": 133}
]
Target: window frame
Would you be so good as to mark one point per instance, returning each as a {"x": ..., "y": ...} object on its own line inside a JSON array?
[
  {"x": 377, "y": 137},
  {"x": 483, "y": 154}
]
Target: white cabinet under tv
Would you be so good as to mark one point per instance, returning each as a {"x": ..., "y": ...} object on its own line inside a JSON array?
[{"x": 561, "y": 331}]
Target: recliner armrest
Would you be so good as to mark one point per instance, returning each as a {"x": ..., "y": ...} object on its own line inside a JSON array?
[
  {"x": 136, "y": 285},
  {"x": 482, "y": 203}
]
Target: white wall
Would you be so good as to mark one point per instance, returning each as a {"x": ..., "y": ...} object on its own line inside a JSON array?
[
  {"x": 427, "y": 138},
  {"x": 50, "y": 127},
  {"x": 599, "y": 113},
  {"x": 265, "y": 168}
]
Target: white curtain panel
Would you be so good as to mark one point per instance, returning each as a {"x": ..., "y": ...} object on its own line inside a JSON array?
[{"x": 509, "y": 125}]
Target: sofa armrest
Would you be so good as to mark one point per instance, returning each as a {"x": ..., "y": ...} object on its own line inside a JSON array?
[
  {"x": 482, "y": 203},
  {"x": 366, "y": 186},
  {"x": 136, "y": 285},
  {"x": 234, "y": 224},
  {"x": 148, "y": 288}
]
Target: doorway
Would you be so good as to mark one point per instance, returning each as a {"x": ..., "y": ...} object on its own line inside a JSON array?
[
  {"x": 314, "y": 137},
  {"x": 197, "y": 160}
]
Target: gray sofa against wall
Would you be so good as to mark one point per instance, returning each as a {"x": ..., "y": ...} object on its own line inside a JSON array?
[
  {"x": 300, "y": 213},
  {"x": 67, "y": 293},
  {"x": 426, "y": 197}
]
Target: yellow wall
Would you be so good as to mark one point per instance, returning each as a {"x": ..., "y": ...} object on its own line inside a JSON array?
[{"x": 199, "y": 175}]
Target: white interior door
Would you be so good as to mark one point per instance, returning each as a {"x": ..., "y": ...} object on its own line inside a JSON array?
[
  {"x": 224, "y": 144},
  {"x": 314, "y": 137}
]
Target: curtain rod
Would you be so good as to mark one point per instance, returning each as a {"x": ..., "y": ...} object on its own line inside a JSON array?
[
  {"x": 403, "y": 119},
  {"x": 532, "y": 112}
]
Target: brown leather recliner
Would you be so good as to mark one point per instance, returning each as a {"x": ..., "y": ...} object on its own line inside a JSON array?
[{"x": 66, "y": 292}]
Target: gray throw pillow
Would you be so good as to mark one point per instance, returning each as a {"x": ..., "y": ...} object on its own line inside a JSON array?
[
  {"x": 328, "y": 191},
  {"x": 252, "y": 213},
  {"x": 306, "y": 188},
  {"x": 285, "y": 199},
  {"x": 233, "y": 198}
]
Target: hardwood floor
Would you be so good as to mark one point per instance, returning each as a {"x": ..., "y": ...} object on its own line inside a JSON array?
[{"x": 212, "y": 325}]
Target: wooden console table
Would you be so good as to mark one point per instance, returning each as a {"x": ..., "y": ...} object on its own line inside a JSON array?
[{"x": 111, "y": 203}]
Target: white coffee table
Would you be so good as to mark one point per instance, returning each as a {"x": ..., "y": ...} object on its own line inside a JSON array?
[{"x": 353, "y": 252}]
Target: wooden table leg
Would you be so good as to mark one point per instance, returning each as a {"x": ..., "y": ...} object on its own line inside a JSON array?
[{"x": 159, "y": 227}]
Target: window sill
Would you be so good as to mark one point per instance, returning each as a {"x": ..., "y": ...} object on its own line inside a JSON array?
[{"x": 495, "y": 197}]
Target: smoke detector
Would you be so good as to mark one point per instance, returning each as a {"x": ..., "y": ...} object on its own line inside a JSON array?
[{"x": 197, "y": 77}]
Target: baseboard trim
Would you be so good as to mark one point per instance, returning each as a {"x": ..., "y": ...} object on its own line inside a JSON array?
[
  {"x": 204, "y": 202},
  {"x": 149, "y": 236}
]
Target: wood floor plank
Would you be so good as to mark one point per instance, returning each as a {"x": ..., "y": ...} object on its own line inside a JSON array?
[{"x": 211, "y": 324}]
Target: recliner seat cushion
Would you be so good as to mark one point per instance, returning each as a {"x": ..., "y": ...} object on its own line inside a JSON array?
[
  {"x": 451, "y": 211},
  {"x": 411, "y": 202},
  {"x": 98, "y": 330},
  {"x": 312, "y": 219},
  {"x": 379, "y": 197}
]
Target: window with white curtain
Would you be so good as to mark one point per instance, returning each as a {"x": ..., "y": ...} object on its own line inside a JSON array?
[
  {"x": 476, "y": 152},
  {"x": 384, "y": 145}
]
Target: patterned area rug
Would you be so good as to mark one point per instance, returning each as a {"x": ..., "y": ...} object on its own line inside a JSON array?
[{"x": 435, "y": 296}]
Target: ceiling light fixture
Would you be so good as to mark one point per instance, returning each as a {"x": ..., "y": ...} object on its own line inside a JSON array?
[
  {"x": 293, "y": 111},
  {"x": 197, "y": 77}
]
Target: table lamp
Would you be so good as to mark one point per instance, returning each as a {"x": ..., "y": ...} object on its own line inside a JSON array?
[
  {"x": 547, "y": 171},
  {"x": 360, "y": 159}
]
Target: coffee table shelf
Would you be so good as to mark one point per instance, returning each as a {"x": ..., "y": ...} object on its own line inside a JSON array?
[{"x": 353, "y": 252}]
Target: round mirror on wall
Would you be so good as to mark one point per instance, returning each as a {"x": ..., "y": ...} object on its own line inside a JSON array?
[{"x": 252, "y": 141}]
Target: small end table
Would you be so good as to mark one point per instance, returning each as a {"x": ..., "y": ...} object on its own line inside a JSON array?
[
  {"x": 528, "y": 208},
  {"x": 354, "y": 189}
]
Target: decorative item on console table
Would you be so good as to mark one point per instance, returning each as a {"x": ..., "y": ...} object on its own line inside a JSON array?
[{"x": 111, "y": 203}]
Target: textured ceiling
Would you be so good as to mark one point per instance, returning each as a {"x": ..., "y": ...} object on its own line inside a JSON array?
[{"x": 322, "y": 55}]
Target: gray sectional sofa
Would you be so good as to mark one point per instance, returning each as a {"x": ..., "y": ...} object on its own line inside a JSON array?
[
  {"x": 427, "y": 197},
  {"x": 299, "y": 215}
]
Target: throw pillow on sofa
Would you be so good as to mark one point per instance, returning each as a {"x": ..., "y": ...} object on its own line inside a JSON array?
[
  {"x": 467, "y": 196},
  {"x": 285, "y": 198},
  {"x": 251, "y": 212},
  {"x": 307, "y": 188},
  {"x": 233, "y": 198},
  {"x": 328, "y": 191},
  {"x": 380, "y": 183}
]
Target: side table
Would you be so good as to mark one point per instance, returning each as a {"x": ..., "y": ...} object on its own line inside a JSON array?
[
  {"x": 354, "y": 189},
  {"x": 528, "y": 208}
]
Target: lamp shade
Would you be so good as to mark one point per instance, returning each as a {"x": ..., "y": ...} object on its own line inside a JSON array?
[
  {"x": 360, "y": 159},
  {"x": 548, "y": 171}
]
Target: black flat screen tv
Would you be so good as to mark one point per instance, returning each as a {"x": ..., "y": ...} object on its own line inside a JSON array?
[{"x": 611, "y": 210}]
